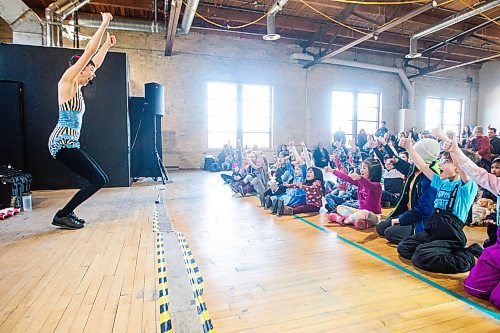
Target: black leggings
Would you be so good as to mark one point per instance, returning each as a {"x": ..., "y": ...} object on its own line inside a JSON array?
[{"x": 85, "y": 166}]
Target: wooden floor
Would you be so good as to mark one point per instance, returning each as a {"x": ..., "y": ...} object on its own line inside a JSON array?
[{"x": 262, "y": 273}]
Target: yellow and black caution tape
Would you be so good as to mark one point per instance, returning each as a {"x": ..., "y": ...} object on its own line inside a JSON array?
[
  {"x": 196, "y": 283},
  {"x": 163, "y": 298}
]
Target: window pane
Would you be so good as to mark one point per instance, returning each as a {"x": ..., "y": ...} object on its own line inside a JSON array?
[
  {"x": 452, "y": 118},
  {"x": 433, "y": 105},
  {"x": 367, "y": 100},
  {"x": 454, "y": 128},
  {"x": 368, "y": 126},
  {"x": 368, "y": 114},
  {"x": 256, "y": 93},
  {"x": 221, "y": 124},
  {"x": 430, "y": 126},
  {"x": 255, "y": 124},
  {"x": 432, "y": 117},
  {"x": 452, "y": 106},
  {"x": 345, "y": 126},
  {"x": 221, "y": 107},
  {"x": 342, "y": 113},
  {"x": 342, "y": 98},
  {"x": 256, "y": 109},
  {"x": 218, "y": 139},
  {"x": 259, "y": 139},
  {"x": 220, "y": 90}
]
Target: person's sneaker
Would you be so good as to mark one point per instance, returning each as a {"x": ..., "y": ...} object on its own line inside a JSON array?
[
  {"x": 281, "y": 208},
  {"x": 268, "y": 202},
  {"x": 362, "y": 224},
  {"x": 262, "y": 198},
  {"x": 76, "y": 218},
  {"x": 336, "y": 218},
  {"x": 275, "y": 206},
  {"x": 475, "y": 249},
  {"x": 66, "y": 222}
]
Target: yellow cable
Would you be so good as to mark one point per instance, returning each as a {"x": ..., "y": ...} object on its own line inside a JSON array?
[
  {"x": 332, "y": 19},
  {"x": 220, "y": 25},
  {"x": 483, "y": 15}
]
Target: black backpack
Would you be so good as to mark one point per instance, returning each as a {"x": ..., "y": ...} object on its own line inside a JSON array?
[{"x": 214, "y": 167}]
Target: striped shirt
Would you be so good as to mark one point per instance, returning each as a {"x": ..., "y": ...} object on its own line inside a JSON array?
[{"x": 67, "y": 131}]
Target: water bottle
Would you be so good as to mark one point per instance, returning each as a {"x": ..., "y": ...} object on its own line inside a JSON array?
[{"x": 27, "y": 202}]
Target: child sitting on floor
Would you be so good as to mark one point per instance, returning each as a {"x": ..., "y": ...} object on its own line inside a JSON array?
[
  {"x": 441, "y": 247},
  {"x": 314, "y": 188},
  {"x": 369, "y": 196}
]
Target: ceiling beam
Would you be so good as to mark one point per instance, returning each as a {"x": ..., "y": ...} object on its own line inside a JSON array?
[
  {"x": 173, "y": 21},
  {"x": 295, "y": 27},
  {"x": 129, "y": 4},
  {"x": 319, "y": 34}
]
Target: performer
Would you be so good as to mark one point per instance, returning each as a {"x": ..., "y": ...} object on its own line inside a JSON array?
[{"x": 63, "y": 142}]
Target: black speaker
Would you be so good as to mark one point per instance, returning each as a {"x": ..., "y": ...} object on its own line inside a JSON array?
[
  {"x": 144, "y": 126},
  {"x": 154, "y": 98}
]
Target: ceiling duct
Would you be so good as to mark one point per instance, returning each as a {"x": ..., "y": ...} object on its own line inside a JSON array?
[
  {"x": 446, "y": 23},
  {"x": 271, "y": 20},
  {"x": 26, "y": 26},
  {"x": 55, "y": 13},
  {"x": 305, "y": 58},
  {"x": 188, "y": 16},
  {"x": 94, "y": 21}
]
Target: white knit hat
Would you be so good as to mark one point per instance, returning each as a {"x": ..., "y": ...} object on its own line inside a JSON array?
[{"x": 428, "y": 149}]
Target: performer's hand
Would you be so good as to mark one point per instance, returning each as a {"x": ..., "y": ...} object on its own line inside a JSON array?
[
  {"x": 106, "y": 18},
  {"x": 111, "y": 40},
  {"x": 394, "y": 221}
]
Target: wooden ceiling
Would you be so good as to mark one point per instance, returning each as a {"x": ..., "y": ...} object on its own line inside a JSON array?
[{"x": 299, "y": 24}]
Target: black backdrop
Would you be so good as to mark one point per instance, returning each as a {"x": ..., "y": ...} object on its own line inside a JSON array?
[{"x": 105, "y": 131}]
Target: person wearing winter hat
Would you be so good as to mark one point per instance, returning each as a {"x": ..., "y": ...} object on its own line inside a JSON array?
[{"x": 417, "y": 198}]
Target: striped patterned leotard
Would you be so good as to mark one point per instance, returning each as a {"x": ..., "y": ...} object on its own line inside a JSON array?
[{"x": 67, "y": 131}]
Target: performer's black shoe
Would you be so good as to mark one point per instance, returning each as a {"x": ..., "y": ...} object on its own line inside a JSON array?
[
  {"x": 66, "y": 222},
  {"x": 76, "y": 218}
]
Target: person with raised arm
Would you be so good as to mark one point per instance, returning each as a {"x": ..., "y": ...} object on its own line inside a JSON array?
[
  {"x": 484, "y": 278},
  {"x": 441, "y": 247},
  {"x": 63, "y": 142}
]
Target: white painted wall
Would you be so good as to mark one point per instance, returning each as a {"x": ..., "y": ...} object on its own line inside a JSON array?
[{"x": 489, "y": 94}]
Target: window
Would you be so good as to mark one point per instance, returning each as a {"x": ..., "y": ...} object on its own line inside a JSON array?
[
  {"x": 353, "y": 111},
  {"x": 443, "y": 113},
  {"x": 239, "y": 111}
]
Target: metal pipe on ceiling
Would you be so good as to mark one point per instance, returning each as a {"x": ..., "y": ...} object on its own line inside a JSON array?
[
  {"x": 155, "y": 20},
  {"x": 94, "y": 21},
  {"x": 55, "y": 13},
  {"x": 446, "y": 23},
  {"x": 188, "y": 16},
  {"x": 457, "y": 66},
  {"x": 357, "y": 64},
  {"x": 271, "y": 20},
  {"x": 375, "y": 33},
  {"x": 460, "y": 35}
]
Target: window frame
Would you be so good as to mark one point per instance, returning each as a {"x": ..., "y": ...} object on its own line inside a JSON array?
[
  {"x": 239, "y": 112},
  {"x": 442, "y": 113},
  {"x": 355, "y": 118}
]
